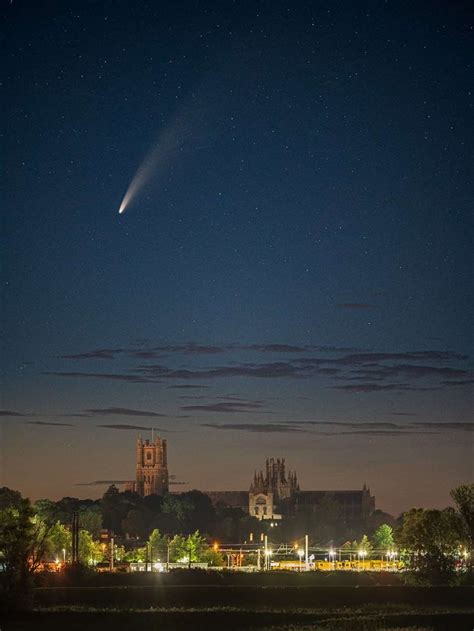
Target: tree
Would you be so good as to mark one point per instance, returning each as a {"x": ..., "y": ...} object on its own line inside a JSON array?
[
  {"x": 135, "y": 555},
  {"x": 197, "y": 545},
  {"x": 90, "y": 519},
  {"x": 60, "y": 539},
  {"x": 137, "y": 523},
  {"x": 47, "y": 510},
  {"x": 190, "y": 549},
  {"x": 157, "y": 546},
  {"x": 202, "y": 513},
  {"x": 90, "y": 551},
  {"x": 429, "y": 542},
  {"x": 113, "y": 509},
  {"x": 180, "y": 507},
  {"x": 365, "y": 547},
  {"x": 383, "y": 538},
  {"x": 212, "y": 556},
  {"x": 9, "y": 498},
  {"x": 23, "y": 544},
  {"x": 463, "y": 497},
  {"x": 178, "y": 549}
]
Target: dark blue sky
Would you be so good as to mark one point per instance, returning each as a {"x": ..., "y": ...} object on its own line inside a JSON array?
[{"x": 300, "y": 255}]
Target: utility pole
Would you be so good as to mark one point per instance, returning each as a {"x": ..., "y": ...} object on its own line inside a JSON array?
[
  {"x": 258, "y": 560},
  {"x": 75, "y": 538},
  {"x": 112, "y": 546},
  {"x": 265, "y": 540},
  {"x": 306, "y": 560}
]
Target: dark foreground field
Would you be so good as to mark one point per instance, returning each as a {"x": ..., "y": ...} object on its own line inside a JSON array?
[
  {"x": 225, "y": 601},
  {"x": 345, "y": 619}
]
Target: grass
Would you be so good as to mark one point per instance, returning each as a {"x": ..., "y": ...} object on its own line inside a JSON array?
[
  {"x": 283, "y": 601},
  {"x": 251, "y": 596},
  {"x": 176, "y": 619}
]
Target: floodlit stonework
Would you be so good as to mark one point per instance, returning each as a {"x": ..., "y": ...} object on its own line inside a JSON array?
[{"x": 151, "y": 468}]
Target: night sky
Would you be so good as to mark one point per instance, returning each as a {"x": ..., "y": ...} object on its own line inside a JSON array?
[{"x": 292, "y": 277}]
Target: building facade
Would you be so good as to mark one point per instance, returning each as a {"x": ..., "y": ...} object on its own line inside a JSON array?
[
  {"x": 269, "y": 489},
  {"x": 274, "y": 494},
  {"x": 151, "y": 468}
]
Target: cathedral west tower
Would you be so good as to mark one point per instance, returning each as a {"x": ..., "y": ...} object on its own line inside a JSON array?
[{"x": 151, "y": 467}]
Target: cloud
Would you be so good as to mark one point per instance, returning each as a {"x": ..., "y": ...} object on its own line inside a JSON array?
[
  {"x": 223, "y": 406},
  {"x": 293, "y": 428},
  {"x": 353, "y": 424},
  {"x": 276, "y": 348},
  {"x": 12, "y": 413},
  {"x": 147, "y": 350},
  {"x": 101, "y": 482},
  {"x": 375, "y": 432},
  {"x": 187, "y": 386},
  {"x": 373, "y": 427},
  {"x": 146, "y": 354},
  {"x": 356, "y": 305},
  {"x": 374, "y": 387},
  {"x": 397, "y": 370},
  {"x": 458, "y": 382},
  {"x": 76, "y": 415},
  {"x": 115, "y": 411},
  {"x": 126, "y": 426},
  {"x": 247, "y": 427},
  {"x": 402, "y": 413},
  {"x": 414, "y": 371},
  {"x": 106, "y": 376},
  {"x": 48, "y": 423},
  {"x": 362, "y": 358},
  {"x": 99, "y": 353},
  {"x": 444, "y": 425},
  {"x": 273, "y": 370}
]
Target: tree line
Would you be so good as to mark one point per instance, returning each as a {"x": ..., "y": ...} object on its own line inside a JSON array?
[{"x": 434, "y": 546}]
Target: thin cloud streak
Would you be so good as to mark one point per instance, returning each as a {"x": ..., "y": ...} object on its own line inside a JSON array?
[
  {"x": 12, "y": 413},
  {"x": 126, "y": 426},
  {"x": 248, "y": 427},
  {"x": 49, "y": 423},
  {"x": 117, "y": 411},
  {"x": 227, "y": 407}
]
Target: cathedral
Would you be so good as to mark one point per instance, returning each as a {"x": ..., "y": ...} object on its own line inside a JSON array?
[
  {"x": 273, "y": 493},
  {"x": 151, "y": 468},
  {"x": 268, "y": 491}
]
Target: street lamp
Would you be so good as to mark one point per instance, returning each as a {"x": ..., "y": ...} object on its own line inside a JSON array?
[
  {"x": 301, "y": 555},
  {"x": 332, "y": 555},
  {"x": 362, "y": 555},
  {"x": 268, "y": 554}
]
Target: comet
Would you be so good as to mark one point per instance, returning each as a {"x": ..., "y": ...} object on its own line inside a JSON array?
[{"x": 162, "y": 153}]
